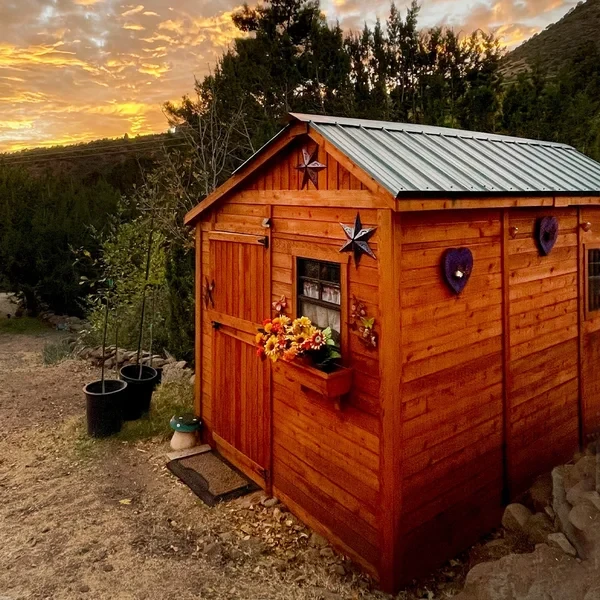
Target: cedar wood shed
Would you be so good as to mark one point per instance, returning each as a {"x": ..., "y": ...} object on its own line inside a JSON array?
[{"x": 482, "y": 273}]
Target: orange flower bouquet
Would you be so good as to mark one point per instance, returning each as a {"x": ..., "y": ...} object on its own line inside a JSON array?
[{"x": 282, "y": 338}]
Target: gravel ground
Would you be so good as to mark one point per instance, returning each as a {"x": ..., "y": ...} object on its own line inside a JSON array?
[{"x": 106, "y": 520}]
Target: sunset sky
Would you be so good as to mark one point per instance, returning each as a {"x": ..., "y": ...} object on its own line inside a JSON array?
[{"x": 76, "y": 70}]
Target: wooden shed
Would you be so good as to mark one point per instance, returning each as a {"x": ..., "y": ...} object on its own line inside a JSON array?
[{"x": 482, "y": 273}]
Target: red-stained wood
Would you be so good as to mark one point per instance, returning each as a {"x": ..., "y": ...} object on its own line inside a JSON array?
[{"x": 465, "y": 400}]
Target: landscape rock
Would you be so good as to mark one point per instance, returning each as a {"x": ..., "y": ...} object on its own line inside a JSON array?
[
  {"x": 582, "y": 515},
  {"x": 515, "y": 517},
  {"x": 540, "y": 492},
  {"x": 538, "y": 527},
  {"x": 576, "y": 494},
  {"x": 269, "y": 502},
  {"x": 560, "y": 541},
  {"x": 592, "y": 498},
  {"x": 317, "y": 541}
]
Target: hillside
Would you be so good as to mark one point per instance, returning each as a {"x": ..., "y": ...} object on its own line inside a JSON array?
[
  {"x": 119, "y": 161},
  {"x": 558, "y": 43}
]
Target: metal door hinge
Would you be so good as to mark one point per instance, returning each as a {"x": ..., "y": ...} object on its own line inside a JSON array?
[
  {"x": 264, "y": 241},
  {"x": 216, "y": 325}
]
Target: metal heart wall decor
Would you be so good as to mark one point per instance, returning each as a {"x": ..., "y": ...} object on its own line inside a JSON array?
[
  {"x": 457, "y": 265},
  {"x": 546, "y": 234}
]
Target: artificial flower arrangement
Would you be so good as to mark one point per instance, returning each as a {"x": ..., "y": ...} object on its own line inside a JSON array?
[{"x": 282, "y": 338}]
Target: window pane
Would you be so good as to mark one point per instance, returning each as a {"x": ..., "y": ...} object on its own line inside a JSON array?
[
  {"x": 310, "y": 289},
  {"x": 309, "y": 268},
  {"x": 330, "y": 272},
  {"x": 331, "y": 294},
  {"x": 594, "y": 279}
]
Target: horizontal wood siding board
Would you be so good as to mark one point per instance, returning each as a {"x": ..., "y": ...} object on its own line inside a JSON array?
[
  {"x": 543, "y": 383},
  {"x": 452, "y": 389}
]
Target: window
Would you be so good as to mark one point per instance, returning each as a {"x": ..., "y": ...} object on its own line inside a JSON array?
[
  {"x": 320, "y": 294},
  {"x": 593, "y": 279}
]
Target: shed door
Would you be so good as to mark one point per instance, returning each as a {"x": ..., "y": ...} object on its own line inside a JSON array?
[{"x": 241, "y": 381}]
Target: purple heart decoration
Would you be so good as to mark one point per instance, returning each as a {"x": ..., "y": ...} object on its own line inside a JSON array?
[
  {"x": 547, "y": 233},
  {"x": 457, "y": 265}
]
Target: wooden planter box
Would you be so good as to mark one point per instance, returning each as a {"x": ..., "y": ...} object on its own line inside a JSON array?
[{"x": 329, "y": 385}]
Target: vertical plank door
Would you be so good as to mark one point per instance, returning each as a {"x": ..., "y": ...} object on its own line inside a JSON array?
[{"x": 241, "y": 381}]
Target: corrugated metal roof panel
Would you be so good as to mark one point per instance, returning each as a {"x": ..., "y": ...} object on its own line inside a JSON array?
[{"x": 406, "y": 158}]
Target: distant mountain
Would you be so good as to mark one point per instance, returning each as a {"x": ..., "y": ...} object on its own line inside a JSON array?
[
  {"x": 119, "y": 161},
  {"x": 558, "y": 43}
]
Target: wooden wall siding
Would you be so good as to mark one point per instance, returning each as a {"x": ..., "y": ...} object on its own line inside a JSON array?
[
  {"x": 590, "y": 330},
  {"x": 327, "y": 461},
  {"x": 281, "y": 173},
  {"x": 542, "y": 384},
  {"x": 452, "y": 390}
]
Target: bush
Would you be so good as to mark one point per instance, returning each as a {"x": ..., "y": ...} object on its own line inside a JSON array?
[
  {"x": 173, "y": 397},
  {"x": 55, "y": 352}
]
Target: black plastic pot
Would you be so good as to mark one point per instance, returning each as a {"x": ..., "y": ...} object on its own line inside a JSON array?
[
  {"x": 139, "y": 390},
  {"x": 103, "y": 410}
]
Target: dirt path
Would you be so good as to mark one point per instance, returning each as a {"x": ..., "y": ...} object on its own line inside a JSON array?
[
  {"x": 65, "y": 534},
  {"x": 106, "y": 520}
]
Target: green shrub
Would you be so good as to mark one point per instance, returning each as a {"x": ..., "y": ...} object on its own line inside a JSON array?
[
  {"x": 55, "y": 352},
  {"x": 168, "y": 399}
]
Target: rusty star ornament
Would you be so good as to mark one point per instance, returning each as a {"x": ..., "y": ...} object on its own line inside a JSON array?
[
  {"x": 358, "y": 240},
  {"x": 310, "y": 167}
]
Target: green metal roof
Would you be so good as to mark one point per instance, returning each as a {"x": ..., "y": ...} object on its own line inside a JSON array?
[{"x": 406, "y": 158}]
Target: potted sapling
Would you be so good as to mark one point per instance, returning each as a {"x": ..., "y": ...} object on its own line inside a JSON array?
[
  {"x": 141, "y": 379},
  {"x": 104, "y": 398}
]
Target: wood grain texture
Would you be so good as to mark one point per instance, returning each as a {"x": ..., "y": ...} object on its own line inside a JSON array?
[
  {"x": 543, "y": 378},
  {"x": 452, "y": 386}
]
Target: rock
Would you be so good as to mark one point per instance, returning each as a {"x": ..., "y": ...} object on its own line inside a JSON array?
[
  {"x": 182, "y": 364},
  {"x": 192, "y": 379},
  {"x": 339, "y": 570},
  {"x": 327, "y": 552},
  {"x": 109, "y": 363},
  {"x": 84, "y": 588},
  {"x": 560, "y": 541},
  {"x": 107, "y": 568},
  {"x": 585, "y": 468},
  {"x": 592, "y": 498},
  {"x": 269, "y": 502},
  {"x": 550, "y": 512},
  {"x": 96, "y": 353},
  {"x": 540, "y": 492},
  {"x": 582, "y": 515},
  {"x": 515, "y": 517},
  {"x": 317, "y": 541},
  {"x": 159, "y": 363},
  {"x": 538, "y": 527},
  {"x": 575, "y": 495}
]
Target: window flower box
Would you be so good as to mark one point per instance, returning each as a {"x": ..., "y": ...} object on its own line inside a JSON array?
[{"x": 332, "y": 385}]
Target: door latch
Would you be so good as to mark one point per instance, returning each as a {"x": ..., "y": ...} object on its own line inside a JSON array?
[
  {"x": 216, "y": 325},
  {"x": 264, "y": 241}
]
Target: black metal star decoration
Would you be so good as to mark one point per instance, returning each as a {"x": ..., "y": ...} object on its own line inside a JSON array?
[
  {"x": 358, "y": 239},
  {"x": 310, "y": 167}
]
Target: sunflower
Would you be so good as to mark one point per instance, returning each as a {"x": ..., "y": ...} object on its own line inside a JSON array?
[{"x": 271, "y": 348}]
